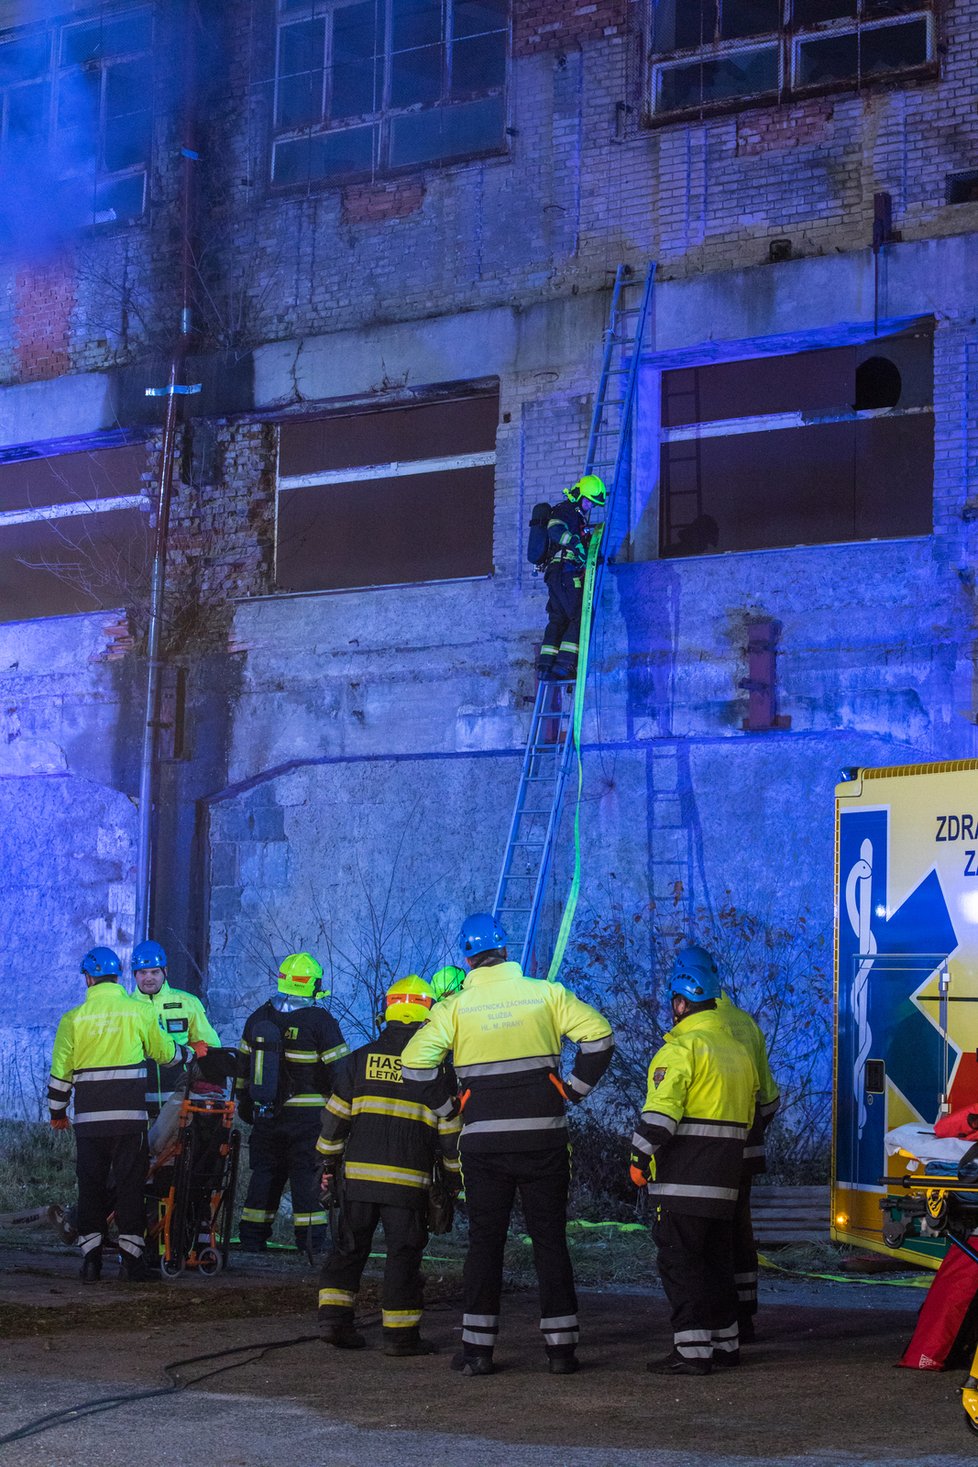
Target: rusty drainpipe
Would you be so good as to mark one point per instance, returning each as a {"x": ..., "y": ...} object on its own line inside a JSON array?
[{"x": 149, "y": 761}]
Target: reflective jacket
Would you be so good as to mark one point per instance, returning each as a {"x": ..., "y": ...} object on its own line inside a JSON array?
[
  {"x": 388, "y": 1141},
  {"x": 100, "y": 1051},
  {"x": 312, "y": 1043},
  {"x": 505, "y": 1031},
  {"x": 743, "y": 1027},
  {"x": 182, "y": 1015},
  {"x": 690, "y": 1137},
  {"x": 566, "y": 535}
]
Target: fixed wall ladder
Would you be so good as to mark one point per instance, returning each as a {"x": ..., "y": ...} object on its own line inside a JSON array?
[{"x": 550, "y": 744}]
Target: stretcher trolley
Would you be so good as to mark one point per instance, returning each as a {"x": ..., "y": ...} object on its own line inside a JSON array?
[
  {"x": 937, "y": 1198},
  {"x": 194, "y": 1169}
]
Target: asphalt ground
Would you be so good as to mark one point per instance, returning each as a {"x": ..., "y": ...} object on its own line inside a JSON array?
[{"x": 819, "y": 1387}]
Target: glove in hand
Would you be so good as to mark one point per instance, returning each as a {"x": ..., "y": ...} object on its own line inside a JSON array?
[
  {"x": 60, "y": 1123},
  {"x": 638, "y": 1177}
]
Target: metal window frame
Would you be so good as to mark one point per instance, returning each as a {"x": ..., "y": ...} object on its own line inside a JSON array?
[
  {"x": 380, "y": 120},
  {"x": 59, "y": 71},
  {"x": 789, "y": 38}
]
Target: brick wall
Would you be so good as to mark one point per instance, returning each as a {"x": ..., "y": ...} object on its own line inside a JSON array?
[{"x": 44, "y": 301}]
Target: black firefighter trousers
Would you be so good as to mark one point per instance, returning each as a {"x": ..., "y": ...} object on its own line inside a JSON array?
[
  {"x": 405, "y": 1234},
  {"x": 696, "y": 1265},
  {"x": 562, "y": 635},
  {"x": 284, "y": 1150},
  {"x": 125, "y": 1158},
  {"x": 492, "y": 1179}
]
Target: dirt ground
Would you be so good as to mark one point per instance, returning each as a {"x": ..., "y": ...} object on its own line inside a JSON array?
[{"x": 820, "y": 1386}]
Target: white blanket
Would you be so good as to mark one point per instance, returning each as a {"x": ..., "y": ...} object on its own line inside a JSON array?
[{"x": 919, "y": 1141}]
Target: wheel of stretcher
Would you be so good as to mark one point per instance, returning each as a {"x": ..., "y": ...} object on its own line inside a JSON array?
[
  {"x": 171, "y": 1268},
  {"x": 210, "y": 1262}
]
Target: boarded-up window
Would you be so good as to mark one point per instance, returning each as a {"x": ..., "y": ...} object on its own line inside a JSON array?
[
  {"x": 382, "y": 498},
  {"x": 807, "y": 449},
  {"x": 74, "y": 532}
]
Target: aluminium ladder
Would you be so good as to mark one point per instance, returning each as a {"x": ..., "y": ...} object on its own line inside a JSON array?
[{"x": 535, "y": 823}]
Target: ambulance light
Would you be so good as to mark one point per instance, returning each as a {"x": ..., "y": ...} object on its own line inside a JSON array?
[{"x": 841, "y": 1219}]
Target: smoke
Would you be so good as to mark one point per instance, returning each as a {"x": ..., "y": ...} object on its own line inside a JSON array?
[{"x": 75, "y": 125}]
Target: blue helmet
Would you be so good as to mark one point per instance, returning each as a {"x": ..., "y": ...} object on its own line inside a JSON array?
[
  {"x": 695, "y": 975},
  {"x": 479, "y": 933},
  {"x": 101, "y": 962},
  {"x": 147, "y": 954}
]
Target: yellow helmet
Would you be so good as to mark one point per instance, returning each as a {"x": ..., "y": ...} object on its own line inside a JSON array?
[
  {"x": 589, "y": 487},
  {"x": 300, "y": 976},
  {"x": 447, "y": 981},
  {"x": 408, "y": 1001}
]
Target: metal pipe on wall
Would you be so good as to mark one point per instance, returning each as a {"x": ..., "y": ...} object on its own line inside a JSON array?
[{"x": 149, "y": 758}]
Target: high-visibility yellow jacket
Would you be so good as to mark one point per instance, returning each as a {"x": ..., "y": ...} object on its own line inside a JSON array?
[
  {"x": 691, "y": 1134},
  {"x": 745, "y": 1028},
  {"x": 505, "y": 1032},
  {"x": 389, "y": 1140},
  {"x": 182, "y": 1015},
  {"x": 100, "y": 1051}
]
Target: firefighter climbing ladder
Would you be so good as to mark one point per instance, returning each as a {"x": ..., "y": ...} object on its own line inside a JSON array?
[{"x": 555, "y": 725}]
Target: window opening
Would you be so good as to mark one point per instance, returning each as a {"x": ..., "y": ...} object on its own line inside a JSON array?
[
  {"x": 76, "y": 105},
  {"x": 375, "y": 498},
  {"x": 74, "y": 531},
  {"x": 803, "y": 449},
  {"x": 366, "y": 86},
  {"x": 715, "y": 53}
]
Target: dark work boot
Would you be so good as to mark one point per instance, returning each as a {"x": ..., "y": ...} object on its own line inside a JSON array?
[
  {"x": 469, "y": 1364},
  {"x": 676, "y": 1364},
  {"x": 746, "y": 1330},
  {"x": 91, "y": 1269},
  {"x": 725, "y": 1358},
  {"x": 134, "y": 1269},
  {"x": 343, "y": 1334},
  {"x": 563, "y": 1363}
]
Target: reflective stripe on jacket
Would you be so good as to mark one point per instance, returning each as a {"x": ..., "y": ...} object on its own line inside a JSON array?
[
  {"x": 311, "y": 1045},
  {"x": 100, "y": 1052},
  {"x": 690, "y": 1137},
  {"x": 743, "y": 1027},
  {"x": 182, "y": 1016},
  {"x": 505, "y": 1033},
  {"x": 388, "y": 1138}
]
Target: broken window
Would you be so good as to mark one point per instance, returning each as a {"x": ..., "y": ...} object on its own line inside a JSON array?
[
  {"x": 74, "y": 530},
  {"x": 807, "y": 449},
  {"x": 379, "y": 498},
  {"x": 712, "y": 54},
  {"x": 365, "y": 86},
  {"x": 76, "y": 113}
]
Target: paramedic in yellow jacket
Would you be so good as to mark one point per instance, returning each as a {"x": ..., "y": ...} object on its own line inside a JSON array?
[
  {"x": 688, "y": 1149},
  {"x": 100, "y": 1053},
  {"x": 178, "y": 1013},
  {"x": 506, "y": 1031},
  {"x": 746, "y": 1029}
]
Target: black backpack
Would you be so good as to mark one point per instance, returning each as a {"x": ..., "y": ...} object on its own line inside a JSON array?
[{"x": 538, "y": 544}]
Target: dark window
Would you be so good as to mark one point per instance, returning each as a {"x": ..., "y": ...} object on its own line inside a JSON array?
[
  {"x": 962, "y": 188},
  {"x": 427, "y": 77},
  {"x": 382, "y": 498},
  {"x": 715, "y": 53},
  {"x": 76, "y": 115},
  {"x": 74, "y": 533},
  {"x": 805, "y": 449}
]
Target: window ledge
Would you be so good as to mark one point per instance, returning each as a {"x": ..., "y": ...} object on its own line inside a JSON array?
[{"x": 358, "y": 590}]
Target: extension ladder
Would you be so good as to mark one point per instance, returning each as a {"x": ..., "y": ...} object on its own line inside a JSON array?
[{"x": 535, "y": 824}]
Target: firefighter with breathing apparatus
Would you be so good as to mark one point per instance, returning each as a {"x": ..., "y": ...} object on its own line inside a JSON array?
[{"x": 562, "y": 553}]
